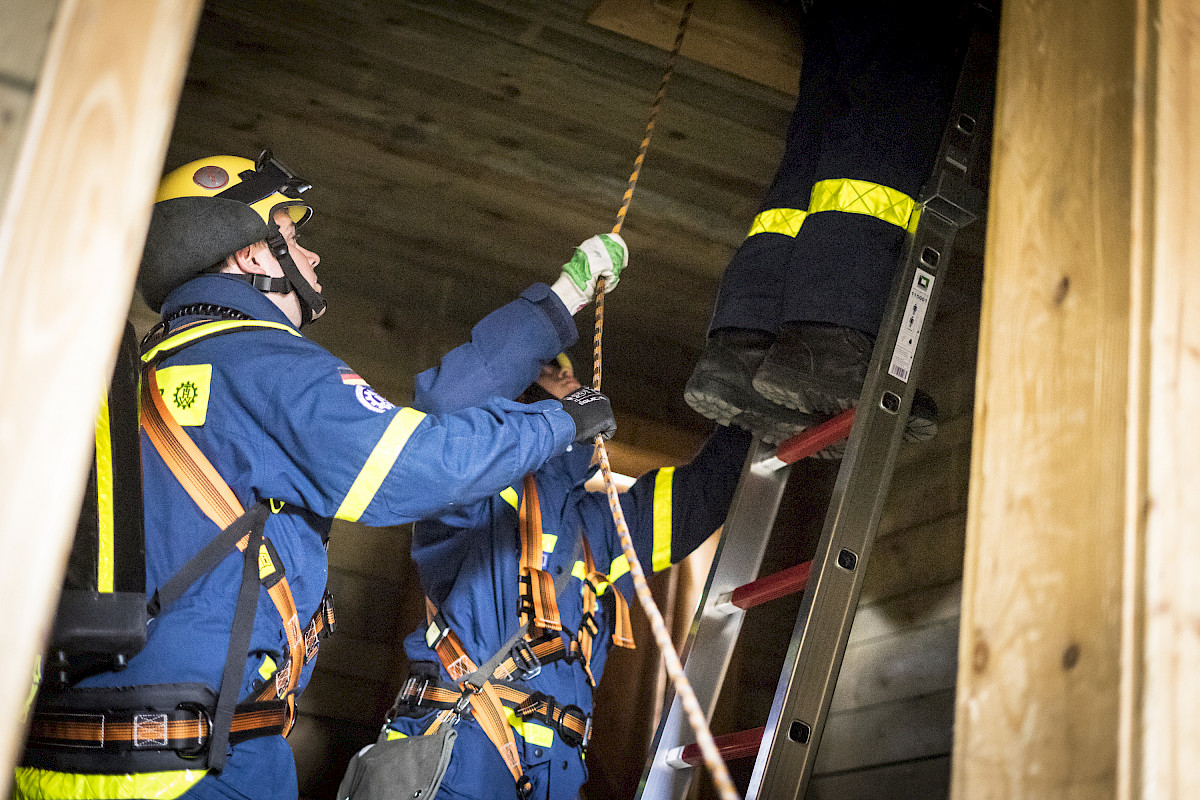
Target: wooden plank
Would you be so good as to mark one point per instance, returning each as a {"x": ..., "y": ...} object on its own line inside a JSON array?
[
  {"x": 932, "y": 479},
  {"x": 927, "y": 779},
  {"x": 757, "y": 42},
  {"x": 70, "y": 239},
  {"x": 1042, "y": 591},
  {"x": 1160, "y": 733},
  {"x": 926, "y": 555},
  {"x": 923, "y": 606},
  {"x": 885, "y": 734},
  {"x": 907, "y": 664}
]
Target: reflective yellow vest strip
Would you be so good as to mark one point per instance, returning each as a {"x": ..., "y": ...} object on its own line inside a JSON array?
[
  {"x": 846, "y": 195},
  {"x": 535, "y": 733},
  {"x": 43, "y": 784},
  {"x": 661, "y": 554},
  {"x": 104, "y": 501},
  {"x": 379, "y": 463},
  {"x": 210, "y": 328}
]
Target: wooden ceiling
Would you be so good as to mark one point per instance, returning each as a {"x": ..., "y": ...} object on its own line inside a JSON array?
[{"x": 460, "y": 149}]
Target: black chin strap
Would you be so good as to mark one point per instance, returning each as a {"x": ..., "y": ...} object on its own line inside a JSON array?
[{"x": 311, "y": 301}]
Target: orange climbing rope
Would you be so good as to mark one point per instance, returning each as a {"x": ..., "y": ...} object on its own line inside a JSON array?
[{"x": 695, "y": 715}]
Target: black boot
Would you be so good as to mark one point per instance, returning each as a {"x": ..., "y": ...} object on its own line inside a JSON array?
[
  {"x": 815, "y": 368},
  {"x": 720, "y": 390}
]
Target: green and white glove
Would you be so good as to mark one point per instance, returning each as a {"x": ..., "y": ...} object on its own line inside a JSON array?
[{"x": 603, "y": 255}]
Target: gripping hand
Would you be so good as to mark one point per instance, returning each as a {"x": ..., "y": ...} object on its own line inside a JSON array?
[
  {"x": 604, "y": 255},
  {"x": 592, "y": 414}
]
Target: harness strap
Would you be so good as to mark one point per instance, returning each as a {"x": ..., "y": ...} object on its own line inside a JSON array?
[
  {"x": 484, "y": 700},
  {"x": 622, "y": 635},
  {"x": 218, "y": 502},
  {"x": 187, "y": 729},
  {"x": 572, "y": 725},
  {"x": 539, "y": 608}
]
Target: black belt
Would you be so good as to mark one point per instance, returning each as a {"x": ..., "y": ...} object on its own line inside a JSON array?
[{"x": 138, "y": 729}]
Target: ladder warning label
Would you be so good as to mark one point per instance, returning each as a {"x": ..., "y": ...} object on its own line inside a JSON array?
[{"x": 910, "y": 327}]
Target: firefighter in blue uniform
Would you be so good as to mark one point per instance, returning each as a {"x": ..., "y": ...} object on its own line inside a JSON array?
[
  {"x": 289, "y": 428},
  {"x": 539, "y": 558}
]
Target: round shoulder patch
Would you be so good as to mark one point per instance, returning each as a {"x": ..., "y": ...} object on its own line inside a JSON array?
[
  {"x": 211, "y": 177},
  {"x": 372, "y": 400}
]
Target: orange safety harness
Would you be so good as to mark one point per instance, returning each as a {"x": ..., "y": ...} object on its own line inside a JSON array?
[
  {"x": 538, "y": 641},
  {"x": 66, "y": 720}
]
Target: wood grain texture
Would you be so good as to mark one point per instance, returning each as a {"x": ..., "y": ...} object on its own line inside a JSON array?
[
  {"x": 1039, "y": 650},
  {"x": 70, "y": 239},
  {"x": 1160, "y": 733}
]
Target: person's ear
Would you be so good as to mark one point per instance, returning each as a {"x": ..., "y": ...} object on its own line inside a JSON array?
[{"x": 249, "y": 259}]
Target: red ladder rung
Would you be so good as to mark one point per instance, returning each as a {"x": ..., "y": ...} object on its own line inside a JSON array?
[
  {"x": 815, "y": 439},
  {"x": 785, "y": 582},
  {"x": 732, "y": 746}
]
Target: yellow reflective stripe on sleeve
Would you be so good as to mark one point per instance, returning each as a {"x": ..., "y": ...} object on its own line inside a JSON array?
[
  {"x": 862, "y": 197},
  {"x": 510, "y": 496},
  {"x": 661, "y": 554},
  {"x": 104, "y": 501},
  {"x": 379, "y": 463},
  {"x": 185, "y": 390},
  {"x": 532, "y": 732},
  {"x": 619, "y": 567},
  {"x": 786, "y": 221},
  {"x": 43, "y": 784},
  {"x": 210, "y": 328}
]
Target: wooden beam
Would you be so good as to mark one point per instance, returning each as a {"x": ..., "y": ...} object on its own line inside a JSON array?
[
  {"x": 70, "y": 239},
  {"x": 1081, "y": 628},
  {"x": 1160, "y": 731}
]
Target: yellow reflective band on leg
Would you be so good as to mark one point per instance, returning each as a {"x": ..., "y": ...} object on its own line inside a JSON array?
[
  {"x": 862, "y": 197},
  {"x": 661, "y": 555},
  {"x": 785, "y": 221},
  {"x": 537, "y": 735},
  {"x": 44, "y": 784},
  {"x": 104, "y": 501},
  {"x": 379, "y": 463}
]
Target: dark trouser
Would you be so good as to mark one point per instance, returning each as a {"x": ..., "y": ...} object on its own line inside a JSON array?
[{"x": 875, "y": 88}]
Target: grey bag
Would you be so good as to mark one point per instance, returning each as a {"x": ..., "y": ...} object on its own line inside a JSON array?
[{"x": 400, "y": 769}]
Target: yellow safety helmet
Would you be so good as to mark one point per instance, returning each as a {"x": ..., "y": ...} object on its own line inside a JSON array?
[{"x": 209, "y": 209}]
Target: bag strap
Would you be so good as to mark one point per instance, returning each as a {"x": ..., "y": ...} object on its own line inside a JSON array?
[{"x": 218, "y": 502}]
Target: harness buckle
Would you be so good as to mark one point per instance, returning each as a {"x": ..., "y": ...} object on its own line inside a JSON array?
[
  {"x": 204, "y": 725},
  {"x": 464, "y": 700},
  {"x": 528, "y": 665},
  {"x": 571, "y": 737}
]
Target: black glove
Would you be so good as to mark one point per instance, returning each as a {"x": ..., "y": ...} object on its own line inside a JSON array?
[{"x": 591, "y": 412}]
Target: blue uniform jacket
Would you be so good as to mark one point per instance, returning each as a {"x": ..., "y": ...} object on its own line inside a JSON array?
[
  {"x": 468, "y": 559},
  {"x": 285, "y": 419}
]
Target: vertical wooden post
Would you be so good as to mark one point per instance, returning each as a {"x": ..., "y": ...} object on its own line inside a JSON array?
[
  {"x": 70, "y": 239},
  {"x": 1079, "y": 644},
  {"x": 1160, "y": 730}
]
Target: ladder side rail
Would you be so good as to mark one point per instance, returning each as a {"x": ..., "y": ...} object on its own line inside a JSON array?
[
  {"x": 948, "y": 202},
  {"x": 737, "y": 561}
]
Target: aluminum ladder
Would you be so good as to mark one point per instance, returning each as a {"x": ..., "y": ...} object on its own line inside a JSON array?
[{"x": 786, "y": 747}]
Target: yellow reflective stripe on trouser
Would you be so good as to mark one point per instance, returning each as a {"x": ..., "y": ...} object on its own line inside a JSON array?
[
  {"x": 510, "y": 496},
  {"x": 104, "y": 501},
  {"x": 786, "y": 221},
  {"x": 661, "y": 554},
  {"x": 862, "y": 197},
  {"x": 43, "y": 784},
  {"x": 846, "y": 195},
  {"x": 379, "y": 463}
]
